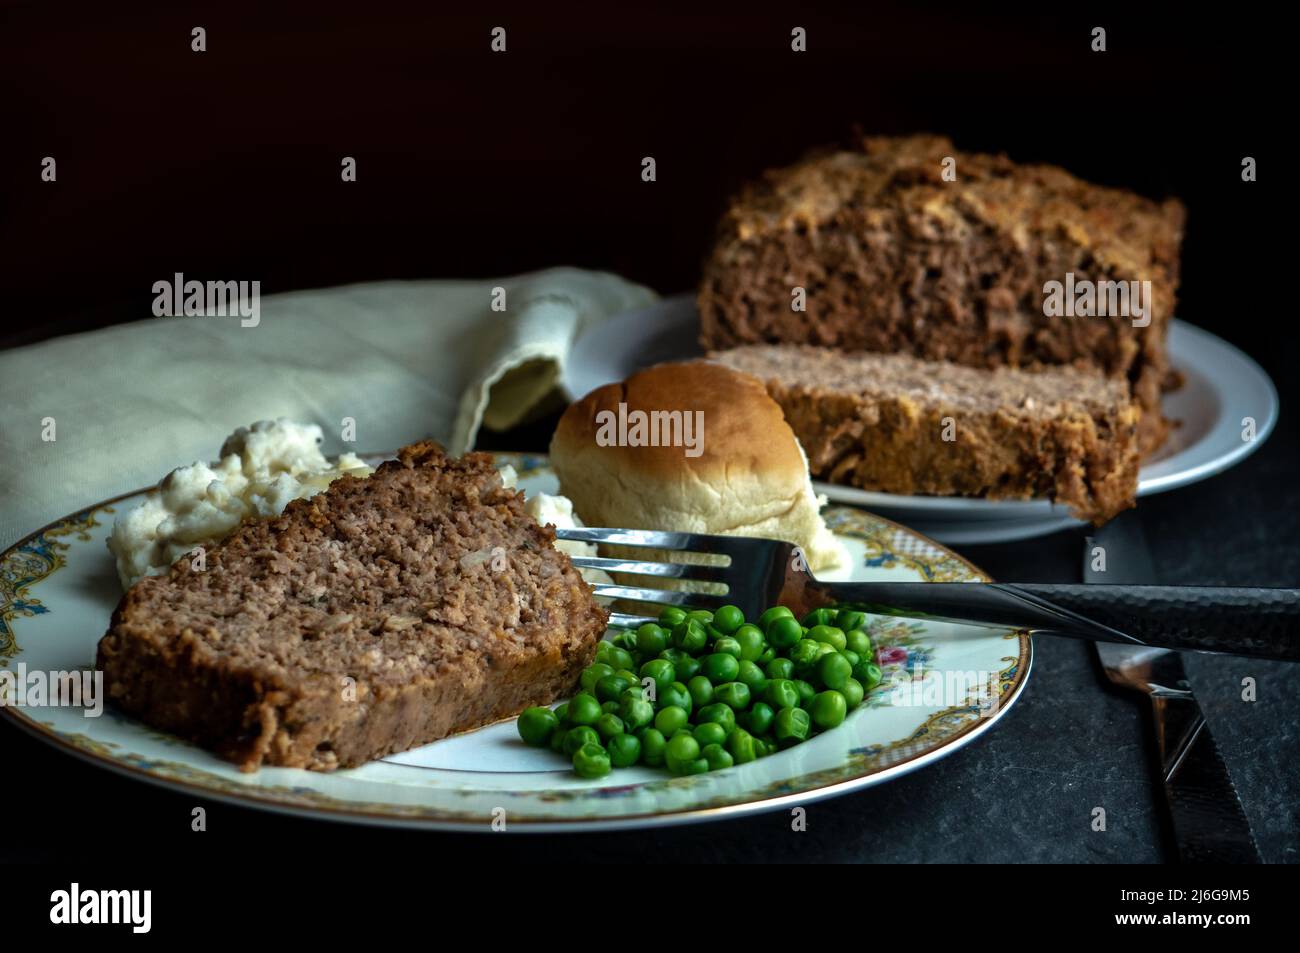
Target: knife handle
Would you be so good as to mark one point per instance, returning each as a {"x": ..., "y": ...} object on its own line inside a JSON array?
[
  {"x": 1209, "y": 824},
  {"x": 1241, "y": 621}
]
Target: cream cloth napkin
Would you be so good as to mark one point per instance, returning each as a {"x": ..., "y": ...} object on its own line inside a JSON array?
[{"x": 404, "y": 360}]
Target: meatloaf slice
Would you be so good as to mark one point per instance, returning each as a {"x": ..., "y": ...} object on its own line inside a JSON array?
[
  {"x": 381, "y": 614},
  {"x": 897, "y": 424},
  {"x": 894, "y": 257}
]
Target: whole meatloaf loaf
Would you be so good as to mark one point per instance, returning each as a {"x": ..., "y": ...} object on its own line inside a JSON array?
[
  {"x": 893, "y": 258},
  {"x": 897, "y": 424},
  {"x": 381, "y": 614}
]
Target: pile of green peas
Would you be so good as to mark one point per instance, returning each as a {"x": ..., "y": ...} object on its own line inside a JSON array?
[{"x": 700, "y": 691}]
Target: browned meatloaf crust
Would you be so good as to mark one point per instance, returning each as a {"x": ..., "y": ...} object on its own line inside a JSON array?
[
  {"x": 894, "y": 259},
  {"x": 366, "y": 620},
  {"x": 878, "y": 421}
]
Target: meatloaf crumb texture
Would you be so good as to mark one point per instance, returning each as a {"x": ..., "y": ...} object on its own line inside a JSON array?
[
  {"x": 897, "y": 424},
  {"x": 894, "y": 258},
  {"x": 381, "y": 614}
]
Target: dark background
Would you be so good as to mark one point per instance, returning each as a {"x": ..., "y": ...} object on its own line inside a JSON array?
[{"x": 472, "y": 164}]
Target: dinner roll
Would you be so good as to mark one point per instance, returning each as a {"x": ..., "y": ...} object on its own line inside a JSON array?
[{"x": 693, "y": 447}]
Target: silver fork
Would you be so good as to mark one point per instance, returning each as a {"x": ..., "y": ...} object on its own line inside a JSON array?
[{"x": 766, "y": 572}]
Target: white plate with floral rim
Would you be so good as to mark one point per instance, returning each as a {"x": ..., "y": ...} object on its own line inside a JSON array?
[{"x": 944, "y": 685}]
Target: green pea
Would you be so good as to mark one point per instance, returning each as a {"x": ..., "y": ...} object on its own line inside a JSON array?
[
  {"x": 759, "y": 718},
  {"x": 591, "y": 761},
  {"x": 625, "y": 640},
  {"x": 790, "y": 726},
  {"x": 735, "y": 695},
  {"x": 819, "y": 617},
  {"x": 687, "y": 668},
  {"x": 536, "y": 725},
  {"x": 690, "y": 636},
  {"x": 717, "y": 757},
  {"x": 868, "y": 673},
  {"x": 702, "y": 616},
  {"x": 784, "y": 632},
  {"x": 848, "y": 619},
  {"x": 661, "y": 672},
  {"x": 607, "y": 726},
  {"x": 672, "y": 616},
  {"x": 602, "y": 651},
  {"x": 771, "y": 615},
  {"x": 651, "y": 639},
  {"x": 683, "y": 748},
  {"x": 720, "y": 667},
  {"x": 609, "y": 707},
  {"x": 670, "y": 719},
  {"x": 853, "y": 657},
  {"x": 728, "y": 646},
  {"x": 577, "y": 737},
  {"x": 562, "y": 712},
  {"x": 583, "y": 709},
  {"x": 858, "y": 641},
  {"x": 701, "y": 690},
  {"x": 779, "y": 668},
  {"x": 728, "y": 619},
  {"x": 753, "y": 676},
  {"x": 805, "y": 652},
  {"x": 828, "y": 709},
  {"x": 558, "y": 737},
  {"x": 635, "y": 712},
  {"x": 611, "y": 686},
  {"x": 751, "y": 641},
  {"x": 653, "y": 745},
  {"x": 853, "y": 693},
  {"x": 620, "y": 657},
  {"x": 717, "y": 712},
  {"x": 829, "y": 635},
  {"x": 781, "y": 693},
  {"x": 682, "y": 731},
  {"x": 741, "y": 745},
  {"x": 769, "y": 653},
  {"x": 834, "y": 670},
  {"x": 624, "y": 750},
  {"x": 675, "y": 695},
  {"x": 709, "y": 733},
  {"x": 806, "y": 692},
  {"x": 683, "y": 768},
  {"x": 594, "y": 673}
]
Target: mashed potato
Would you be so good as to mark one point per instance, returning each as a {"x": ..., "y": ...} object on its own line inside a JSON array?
[
  {"x": 261, "y": 469},
  {"x": 556, "y": 510}
]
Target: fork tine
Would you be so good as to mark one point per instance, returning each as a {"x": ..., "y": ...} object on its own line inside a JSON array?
[
  {"x": 684, "y": 542},
  {"x": 673, "y": 570},
  {"x": 694, "y": 600}
]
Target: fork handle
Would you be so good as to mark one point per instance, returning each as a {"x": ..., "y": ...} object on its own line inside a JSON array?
[{"x": 1239, "y": 621}]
